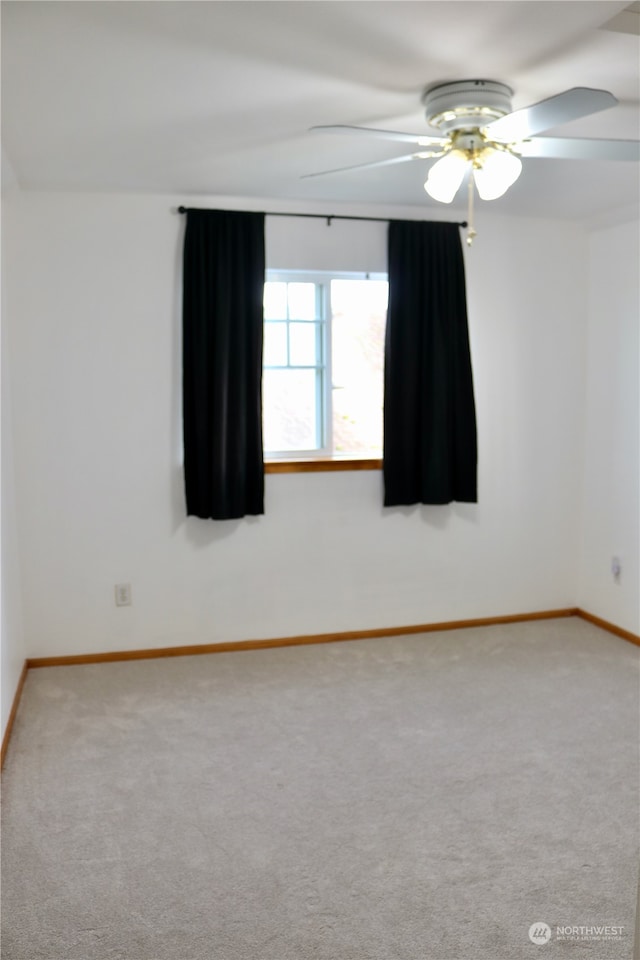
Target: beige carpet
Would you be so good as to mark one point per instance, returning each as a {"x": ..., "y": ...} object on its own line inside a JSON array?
[{"x": 416, "y": 798}]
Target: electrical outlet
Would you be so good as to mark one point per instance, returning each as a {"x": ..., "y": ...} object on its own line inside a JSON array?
[
  {"x": 123, "y": 594},
  {"x": 616, "y": 568}
]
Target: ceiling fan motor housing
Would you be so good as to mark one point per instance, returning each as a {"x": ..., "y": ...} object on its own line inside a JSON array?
[{"x": 466, "y": 104}]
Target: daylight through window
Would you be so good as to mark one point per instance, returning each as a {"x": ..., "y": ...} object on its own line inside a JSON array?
[{"x": 323, "y": 364}]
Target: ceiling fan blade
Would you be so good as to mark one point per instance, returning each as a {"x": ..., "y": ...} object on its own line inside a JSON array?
[
  {"x": 570, "y": 105},
  {"x": 380, "y": 134},
  {"x": 365, "y": 166},
  {"x": 564, "y": 148}
]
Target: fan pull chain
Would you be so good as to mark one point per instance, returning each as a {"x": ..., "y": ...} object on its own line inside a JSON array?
[{"x": 471, "y": 233}]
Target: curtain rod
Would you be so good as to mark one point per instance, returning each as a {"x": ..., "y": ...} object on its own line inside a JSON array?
[{"x": 319, "y": 216}]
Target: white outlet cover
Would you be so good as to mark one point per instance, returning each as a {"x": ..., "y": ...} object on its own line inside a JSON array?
[{"x": 123, "y": 594}]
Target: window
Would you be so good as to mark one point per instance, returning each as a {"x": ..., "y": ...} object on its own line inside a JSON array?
[{"x": 323, "y": 364}]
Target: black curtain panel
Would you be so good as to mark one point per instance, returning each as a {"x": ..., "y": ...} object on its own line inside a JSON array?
[
  {"x": 430, "y": 447},
  {"x": 224, "y": 267}
]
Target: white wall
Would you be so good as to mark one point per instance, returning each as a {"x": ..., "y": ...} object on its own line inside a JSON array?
[
  {"x": 12, "y": 650},
  {"x": 611, "y": 516},
  {"x": 96, "y": 375}
]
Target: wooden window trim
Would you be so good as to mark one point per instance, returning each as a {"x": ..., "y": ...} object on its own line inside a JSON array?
[{"x": 321, "y": 464}]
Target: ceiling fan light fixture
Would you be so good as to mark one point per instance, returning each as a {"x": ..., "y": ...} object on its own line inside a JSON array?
[
  {"x": 494, "y": 171},
  {"x": 446, "y": 175}
]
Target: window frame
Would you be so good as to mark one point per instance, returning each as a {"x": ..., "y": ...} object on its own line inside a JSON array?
[
  {"x": 322, "y": 368},
  {"x": 321, "y": 458}
]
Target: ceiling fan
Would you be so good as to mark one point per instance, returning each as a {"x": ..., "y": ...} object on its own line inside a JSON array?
[{"x": 478, "y": 133}]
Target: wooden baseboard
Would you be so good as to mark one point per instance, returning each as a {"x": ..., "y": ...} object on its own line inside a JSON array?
[
  {"x": 610, "y": 627},
  {"x": 12, "y": 714},
  {"x": 226, "y": 647}
]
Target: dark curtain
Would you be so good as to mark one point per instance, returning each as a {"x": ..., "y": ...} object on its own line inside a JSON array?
[
  {"x": 224, "y": 266},
  {"x": 430, "y": 449}
]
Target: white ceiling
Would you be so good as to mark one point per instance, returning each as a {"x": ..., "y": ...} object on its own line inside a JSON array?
[{"x": 216, "y": 98}]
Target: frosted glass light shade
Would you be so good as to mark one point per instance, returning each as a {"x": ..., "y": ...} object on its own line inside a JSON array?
[
  {"x": 446, "y": 175},
  {"x": 495, "y": 172}
]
